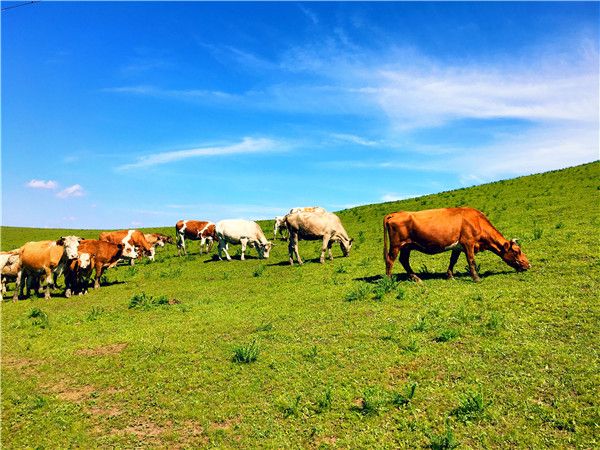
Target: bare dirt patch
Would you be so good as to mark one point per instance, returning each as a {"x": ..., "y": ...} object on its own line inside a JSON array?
[{"x": 111, "y": 349}]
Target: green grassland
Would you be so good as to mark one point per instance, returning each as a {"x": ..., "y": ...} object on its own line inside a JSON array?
[{"x": 256, "y": 353}]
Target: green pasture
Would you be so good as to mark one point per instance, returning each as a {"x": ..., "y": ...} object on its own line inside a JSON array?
[{"x": 192, "y": 352}]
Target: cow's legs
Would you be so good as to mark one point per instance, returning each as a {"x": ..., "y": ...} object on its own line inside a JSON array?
[
  {"x": 99, "y": 271},
  {"x": 223, "y": 246},
  {"x": 180, "y": 244},
  {"x": 390, "y": 259},
  {"x": 210, "y": 241},
  {"x": 202, "y": 243},
  {"x": 293, "y": 248},
  {"x": 470, "y": 252},
  {"x": 244, "y": 242},
  {"x": 404, "y": 260},
  {"x": 453, "y": 258},
  {"x": 324, "y": 249},
  {"x": 17, "y": 285},
  {"x": 49, "y": 282}
]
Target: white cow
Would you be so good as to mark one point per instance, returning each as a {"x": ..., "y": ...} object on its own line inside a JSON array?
[
  {"x": 10, "y": 265},
  {"x": 279, "y": 226},
  {"x": 312, "y": 209},
  {"x": 244, "y": 232}
]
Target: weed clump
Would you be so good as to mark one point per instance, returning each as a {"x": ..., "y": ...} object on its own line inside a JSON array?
[
  {"x": 447, "y": 335},
  {"x": 144, "y": 301},
  {"x": 324, "y": 403},
  {"x": 39, "y": 318},
  {"x": 471, "y": 407},
  {"x": 384, "y": 286},
  {"x": 94, "y": 313},
  {"x": 402, "y": 399},
  {"x": 445, "y": 441},
  {"x": 360, "y": 292},
  {"x": 259, "y": 271},
  {"x": 246, "y": 354},
  {"x": 292, "y": 409}
]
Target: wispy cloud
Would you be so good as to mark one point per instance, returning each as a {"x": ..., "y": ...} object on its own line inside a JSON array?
[
  {"x": 41, "y": 184},
  {"x": 72, "y": 191},
  {"x": 355, "y": 139},
  {"x": 246, "y": 146}
]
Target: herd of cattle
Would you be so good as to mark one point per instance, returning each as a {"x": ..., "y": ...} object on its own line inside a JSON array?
[{"x": 432, "y": 231}]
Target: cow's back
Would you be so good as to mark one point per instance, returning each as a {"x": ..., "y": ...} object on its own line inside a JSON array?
[
  {"x": 40, "y": 254},
  {"x": 239, "y": 228},
  {"x": 113, "y": 236},
  {"x": 315, "y": 225},
  {"x": 101, "y": 250}
]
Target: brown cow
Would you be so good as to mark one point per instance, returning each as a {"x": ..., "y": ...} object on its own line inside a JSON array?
[
  {"x": 314, "y": 226},
  {"x": 132, "y": 240},
  {"x": 48, "y": 258},
  {"x": 100, "y": 254},
  {"x": 195, "y": 230},
  {"x": 448, "y": 229}
]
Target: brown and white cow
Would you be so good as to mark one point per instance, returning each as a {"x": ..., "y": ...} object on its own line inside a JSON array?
[
  {"x": 195, "y": 230},
  {"x": 134, "y": 243},
  {"x": 157, "y": 240},
  {"x": 48, "y": 258},
  {"x": 101, "y": 256},
  {"x": 314, "y": 226},
  {"x": 244, "y": 232},
  {"x": 448, "y": 229}
]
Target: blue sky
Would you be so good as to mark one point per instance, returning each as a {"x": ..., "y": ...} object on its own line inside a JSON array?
[{"x": 118, "y": 115}]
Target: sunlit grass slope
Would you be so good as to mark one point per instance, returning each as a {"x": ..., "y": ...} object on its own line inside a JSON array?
[{"x": 260, "y": 354}]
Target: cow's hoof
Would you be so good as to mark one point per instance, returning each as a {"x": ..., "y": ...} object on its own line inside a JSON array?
[
  {"x": 415, "y": 278},
  {"x": 477, "y": 279},
  {"x": 449, "y": 276},
  {"x": 67, "y": 293}
]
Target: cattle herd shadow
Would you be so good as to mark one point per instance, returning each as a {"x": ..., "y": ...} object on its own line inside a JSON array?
[{"x": 374, "y": 279}]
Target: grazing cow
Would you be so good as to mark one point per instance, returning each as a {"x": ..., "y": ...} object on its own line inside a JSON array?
[
  {"x": 195, "y": 230},
  {"x": 48, "y": 258},
  {"x": 243, "y": 232},
  {"x": 132, "y": 240},
  {"x": 314, "y": 226},
  {"x": 448, "y": 229},
  {"x": 313, "y": 209},
  {"x": 279, "y": 226},
  {"x": 101, "y": 255},
  {"x": 10, "y": 266},
  {"x": 157, "y": 239}
]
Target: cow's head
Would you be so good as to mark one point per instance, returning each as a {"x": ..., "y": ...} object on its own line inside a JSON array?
[
  {"x": 346, "y": 245},
  {"x": 129, "y": 251},
  {"x": 70, "y": 243},
  {"x": 264, "y": 249},
  {"x": 150, "y": 253},
  {"x": 514, "y": 257},
  {"x": 84, "y": 260}
]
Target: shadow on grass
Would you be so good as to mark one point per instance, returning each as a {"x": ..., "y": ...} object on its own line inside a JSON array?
[{"x": 431, "y": 276}]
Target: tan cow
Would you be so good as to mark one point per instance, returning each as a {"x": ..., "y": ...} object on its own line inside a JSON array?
[
  {"x": 195, "y": 230},
  {"x": 447, "y": 229},
  {"x": 314, "y": 226},
  {"x": 48, "y": 258}
]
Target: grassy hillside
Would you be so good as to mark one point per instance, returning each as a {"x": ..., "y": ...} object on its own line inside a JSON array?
[{"x": 344, "y": 359}]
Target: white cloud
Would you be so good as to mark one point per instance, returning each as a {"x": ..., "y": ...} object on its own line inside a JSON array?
[
  {"x": 354, "y": 139},
  {"x": 72, "y": 191},
  {"x": 247, "y": 145},
  {"x": 41, "y": 184}
]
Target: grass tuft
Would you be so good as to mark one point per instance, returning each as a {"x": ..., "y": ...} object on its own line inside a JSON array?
[
  {"x": 360, "y": 292},
  {"x": 401, "y": 399},
  {"x": 447, "y": 335},
  {"x": 472, "y": 407},
  {"x": 259, "y": 271},
  {"x": 246, "y": 354},
  {"x": 40, "y": 318}
]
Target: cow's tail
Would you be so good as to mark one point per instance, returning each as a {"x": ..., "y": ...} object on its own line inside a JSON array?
[{"x": 385, "y": 238}]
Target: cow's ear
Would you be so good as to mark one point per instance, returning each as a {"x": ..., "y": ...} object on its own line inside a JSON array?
[
  {"x": 507, "y": 245},
  {"x": 60, "y": 241},
  {"x": 121, "y": 246}
]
